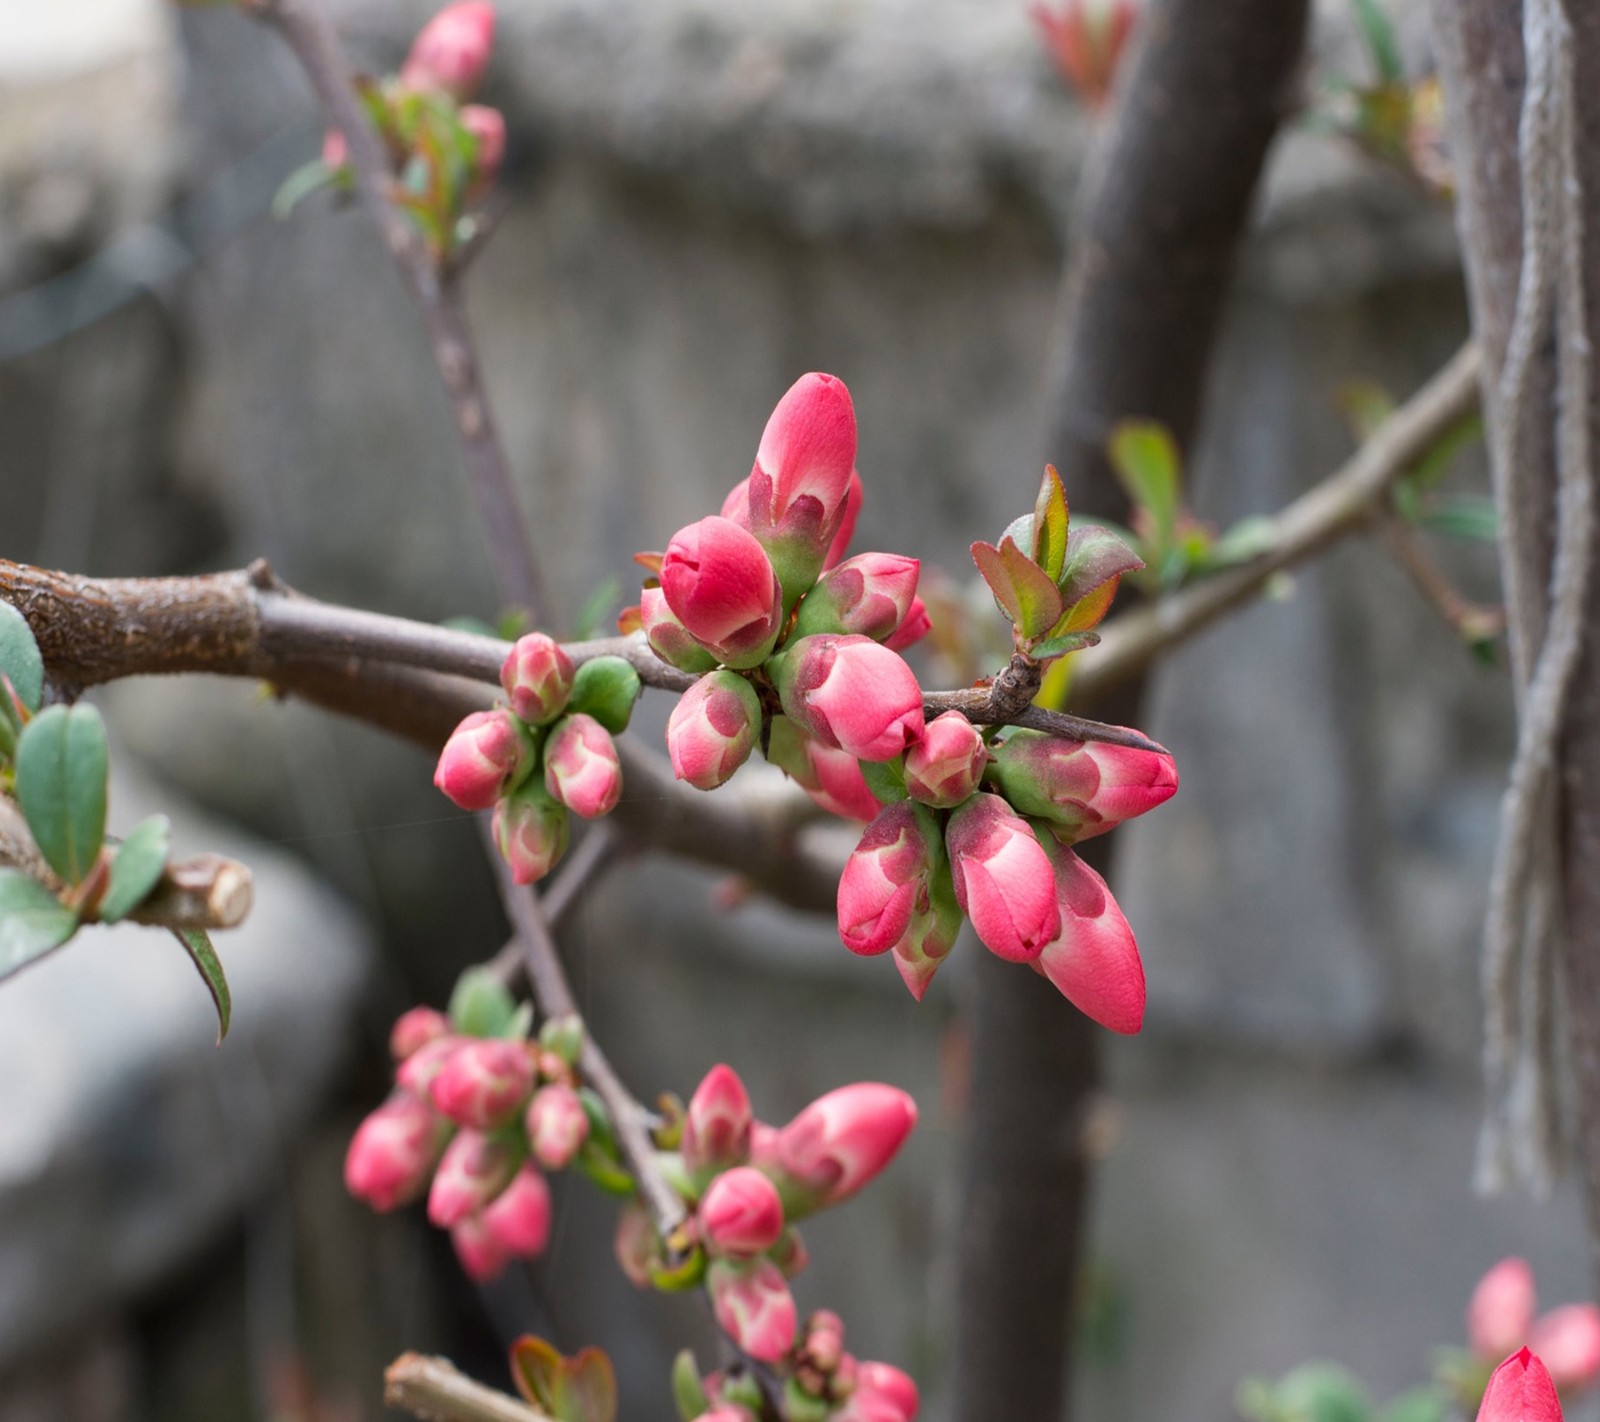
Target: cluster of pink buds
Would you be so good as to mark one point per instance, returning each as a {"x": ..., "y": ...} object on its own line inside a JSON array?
[
  {"x": 547, "y": 752},
  {"x": 820, "y": 1382},
  {"x": 1501, "y": 1318},
  {"x": 747, "y": 1184},
  {"x": 1087, "y": 39},
  {"x": 474, "y": 1122}
]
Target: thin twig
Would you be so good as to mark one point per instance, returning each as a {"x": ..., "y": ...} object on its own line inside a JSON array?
[
  {"x": 432, "y": 1389},
  {"x": 1472, "y": 621},
  {"x": 308, "y": 32}
]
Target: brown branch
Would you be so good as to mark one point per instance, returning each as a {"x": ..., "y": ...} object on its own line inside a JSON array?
[
  {"x": 432, "y": 1389},
  {"x": 308, "y": 32},
  {"x": 1340, "y": 505},
  {"x": 1470, "y": 620}
]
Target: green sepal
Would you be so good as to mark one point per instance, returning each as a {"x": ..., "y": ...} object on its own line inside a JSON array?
[
  {"x": 886, "y": 779},
  {"x": 606, "y": 688},
  {"x": 136, "y": 869},
  {"x": 62, "y": 763}
]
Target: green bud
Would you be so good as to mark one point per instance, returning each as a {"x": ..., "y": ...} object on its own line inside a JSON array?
[
  {"x": 481, "y": 1005},
  {"x": 563, "y": 1036},
  {"x": 606, "y": 689}
]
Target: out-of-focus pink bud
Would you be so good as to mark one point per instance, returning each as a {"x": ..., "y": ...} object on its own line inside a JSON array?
[
  {"x": 1003, "y": 879},
  {"x": 531, "y": 829},
  {"x": 753, "y": 1304},
  {"x": 1086, "y": 38},
  {"x": 488, "y": 128},
  {"x": 740, "y": 1213},
  {"x": 713, "y": 729},
  {"x": 417, "y": 1071},
  {"x": 474, "y": 1169},
  {"x": 888, "y": 1392},
  {"x": 1520, "y": 1390},
  {"x": 557, "y": 1125},
  {"x": 415, "y": 1029},
  {"x": 716, "y": 1123},
  {"x": 393, "y": 1152},
  {"x": 482, "y": 1256},
  {"x": 841, "y": 1141},
  {"x": 1082, "y": 787},
  {"x": 727, "y": 1412},
  {"x": 1567, "y": 1341},
  {"x": 483, "y": 1083},
  {"x": 851, "y": 693},
  {"x": 485, "y": 755},
  {"x": 537, "y": 676},
  {"x": 825, "y": 1340},
  {"x": 451, "y": 52},
  {"x": 885, "y": 881},
  {"x": 335, "y": 150},
  {"x": 829, "y": 776},
  {"x": 868, "y": 595},
  {"x": 519, "y": 1218},
  {"x": 916, "y": 626},
  {"x": 1500, "y": 1312},
  {"x": 719, "y": 583},
  {"x": 581, "y": 768},
  {"x": 853, "y": 496},
  {"x": 669, "y": 639},
  {"x": 637, "y": 1248},
  {"x": 1094, "y": 962},
  {"x": 946, "y": 765}
]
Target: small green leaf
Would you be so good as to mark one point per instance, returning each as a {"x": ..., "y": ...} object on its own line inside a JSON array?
[
  {"x": 481, "y": 1005},
  {"x": 32, "y": 921},
  {"x": 1049, "y": 532},
  {"x": 603, "y": 1171},
  {"x": 1095, "y": 557},
  {"x": 1422, "y": 1404},
  {"x": 197, "y": 943},
  {"x": 1381, "y": 44},
  {"x": 19, "y": 657},
  {"x": 1321, "y": 1392},
  {"x": 1146, "y": 462},
  {"x": 886, "y": 779},
  {"x": 687, "y": 1390},
  {"x": 534, "y": 1367},
  {"x": 1053, "y": 647},
  {"x": 62, "y": 762},
  {"x": 308, "y": 178},
  {"x": 1247, "y": 539},
  {"x": 994, "y": 572},
  {"x": 1463, "y": 516},
  {"x": 589, "y": 1388},
  {"x": 594, "y": 617},
  {"x": 135, "y": 871},
  {"x": 1435, "y": 464}
]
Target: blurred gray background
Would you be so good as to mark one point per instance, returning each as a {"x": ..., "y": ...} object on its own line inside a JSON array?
[{"x": 707, "y": 198}]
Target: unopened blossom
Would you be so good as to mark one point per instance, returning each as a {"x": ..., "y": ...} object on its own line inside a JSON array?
[
  {"x": 393, "y": 1152},
  {"x": 946, "y": 765},
  {"x": 851, "y": 693},
  {"x": 1083, "y": 788},
  {"x": 537, "y": 676},
  {"x": 482, "y": 1257},
  {"x": 720, "y": 585},
  {"x": 1003, "y": 879},
  {"x": 414, "y": 1029},
  {"x": 740, "y": 1213},
  {"x": 752, "y": 1302},
  {"x": 1520, "y": 1390},
  {"x": 474, "y": 1169},
  {"x": 531, "y": 829},
  {"x": 451, "y": 52},
  {"x": 717, "y": 1122},
  {"x": 488, "y": 129},
  {"x": 932, "y": 933},
  {"x": 886, "y": 880},
  {"x": 916, "y": 626},
  {"x": 1501, "y": 1309},
  {"x": 854, "y": 495},
  {"x": 483, "y": 1083},
  {"x": 713, "y": 729},
  {"x": 669, "y": 639},
  {"x": 868, "y": 595},
  {"x": 581, "y": 768},
  {"x": 1567, "y": 1341},
  {"x": 486, "y": 755},
  {"x": 416, "y": 1073},
  {"x": 557, "y": 1125},
  {"x": 882, "y": 1394},
  {"x": 841, "y": 1141},
  {"x": 831, "y": 777},
  {"x": 518, "y": 1219},
  {"x": 1093, "y": 962}
]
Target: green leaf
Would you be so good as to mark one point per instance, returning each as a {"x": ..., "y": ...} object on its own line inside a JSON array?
[
  {"x": 1247, "y": 539},
  {"x": 19, "y": 657},
  {"x": 299, "y": 185},
  {"x": 687, "y": 1390},
  {"x": 135, "y": 871},
  {"x": 1381, "y": 44},
  {"x": 1322, "y": 1392},
  {"x": 1422, "y": 1404},
  {"x": 1365, "y": 405},
  {"x": 1053, "y": 647},
  {"x": 32, "y": 921},
  {"x": 481, "y": 1005},
  {"x": 1095, "y": 557},
  {"x": 1023, "y": 589},
  {"x": 1146, "y": 462},
  {"x": 62, "y": 762},
  {"x": 582, "y": 1388},
  {"x": 1435, "y": 464},
  {"x": 197, "y": 943},
  {"x": 594, "y": 617},
  {"x": 886, "y": 779},
  {"x": 1049, "y": 531},
  {"x": 1463, "y": 516}
]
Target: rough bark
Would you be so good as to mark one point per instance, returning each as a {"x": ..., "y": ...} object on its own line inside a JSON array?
[{"x": 1175, "y": 181}]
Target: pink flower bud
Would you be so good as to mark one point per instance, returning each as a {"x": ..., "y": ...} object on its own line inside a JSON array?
[
  {"x": 740, "y": 1213},
  {"x": 753, "y": 1304},
  {"x": 1082, "y": 787},
  {"x": 488, "y": 128},
  {"x": 1094, "y": 962},
  {"x": 417, "y": 1071},
  {"x": 946, "y": 765},
  {"x": 537, "y": 676},
  {"x": 886, "y": 880},
  {"x": 1086, "y": 38},
  {"x": 485, "y": 755},
  {"x": 916, "y": 626},
  {"x": 868, "y": 595},
  {"x": 844, "y": 1139},
  {"x": 393, "y": 1152},
  {"x": 932, "y": 933},
  {"x": 637, "y": 1248},
  {"x": 807, "y": 453},
  {"x": 727, "y": 1412},
  {"x": 1520, "y": 1390},
  {"x": 886, "y": 1388},
  {"x": 531, "y": 830},
  {"x": 853, "y": 497},
  {"x": 482, "y": 1083},
  {"x": 824, "y": 1340},
  {"x": 335, "y": 150},
  {"x": 716, "y": 1124},
  {"x": 474, "y": 1169},
  {"x": 415, "y": 1029},
  {"x": 669, "y": 639},
  {"x": 451, "y": 51},
  {"x": 1500, "y": 1312},
  {"x": 1003, "y": 879},
  {"x": 557, "y": 1125},
  {"x": 1567, "y": 1341},
  {"x": 851, "y": 693},
  {"x": 830, "y": 777},
  {"x": 719, "y": 583},
  {"x": 518, "y": 1220},
  {"x": 713, "y": 729},
  {"x": 581, "y": 768},
  {"x": 481, "y": 1255}
]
